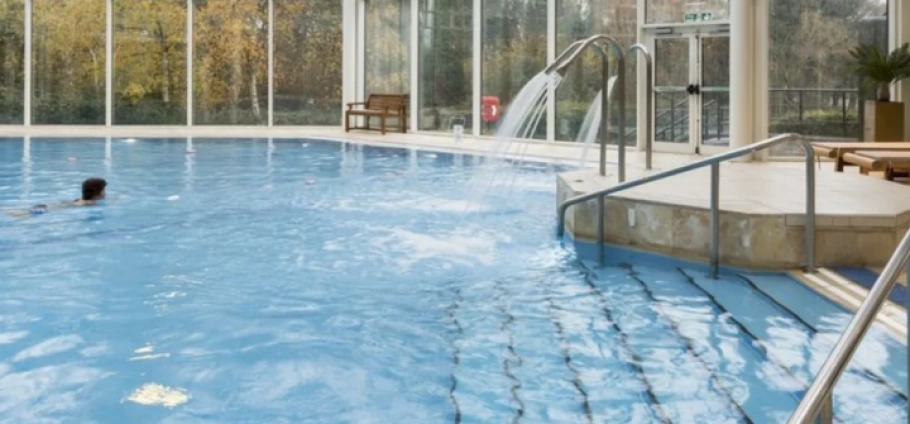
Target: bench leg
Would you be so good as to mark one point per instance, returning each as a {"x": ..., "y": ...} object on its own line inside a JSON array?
[
  {"x": 347, "y": 122},
  {"x": 382, "y": 125},
  {"x": 839, "y": 164},
  {"x": 889, "y": 173}
]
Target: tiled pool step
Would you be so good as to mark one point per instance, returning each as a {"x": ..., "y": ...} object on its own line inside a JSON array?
[{"x": 662, "y": 344}]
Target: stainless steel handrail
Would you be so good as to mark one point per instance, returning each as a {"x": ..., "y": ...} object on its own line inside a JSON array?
[
  {"x": 649, "y": 100},
  {"x": 714, "y": 163},
  {"x": 818, "y": 397},
  {"x": 568, "y": 57}
]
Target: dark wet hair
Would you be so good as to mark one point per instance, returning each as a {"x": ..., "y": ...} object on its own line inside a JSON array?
[{"x": 92, "y": 188}]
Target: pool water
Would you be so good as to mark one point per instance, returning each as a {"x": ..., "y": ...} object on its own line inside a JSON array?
[{"x": 326, "y": 282}]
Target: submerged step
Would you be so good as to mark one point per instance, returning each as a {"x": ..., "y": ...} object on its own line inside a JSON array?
[{"x": 792, "y": 342}]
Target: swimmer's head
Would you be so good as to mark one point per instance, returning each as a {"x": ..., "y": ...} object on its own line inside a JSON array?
[{"x": 93, "y": 189}]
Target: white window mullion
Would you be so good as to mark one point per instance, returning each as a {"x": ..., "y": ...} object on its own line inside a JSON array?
[
  {"x": 27, "y": 95},
  {"x": 476, "y": 67},
  {"x": 189, "y": 63},
  {"x": 551, "y": 56}
]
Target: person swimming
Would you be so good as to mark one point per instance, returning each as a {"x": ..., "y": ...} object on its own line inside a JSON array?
[{"x": 93, "y": 192}]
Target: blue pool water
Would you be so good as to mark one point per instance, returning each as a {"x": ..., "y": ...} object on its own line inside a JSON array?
[{"x": 336, "y": 283}]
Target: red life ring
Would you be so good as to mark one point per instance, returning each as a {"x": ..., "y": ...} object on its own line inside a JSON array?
[{"x": 491, "y": 109}]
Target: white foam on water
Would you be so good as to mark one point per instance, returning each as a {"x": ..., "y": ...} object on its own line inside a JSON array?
[
  {"x": 154, "y": 394},
  {"x": 173, "y": 198}
]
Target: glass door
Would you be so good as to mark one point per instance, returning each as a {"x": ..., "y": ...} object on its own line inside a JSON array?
[
  {"x": 692, "y": 92},
  {"x": 714, "y": 93},
  {"x": 673, "y": 57}
]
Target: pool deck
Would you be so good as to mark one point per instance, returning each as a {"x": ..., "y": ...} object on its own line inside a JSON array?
[{"x": 860, "y": 219}]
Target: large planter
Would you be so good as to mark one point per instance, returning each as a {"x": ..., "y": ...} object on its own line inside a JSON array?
[{"x": 884, "y": 121}]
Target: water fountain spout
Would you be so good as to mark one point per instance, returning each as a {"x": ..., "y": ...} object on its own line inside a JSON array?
[{"x": 603, "y": 42}]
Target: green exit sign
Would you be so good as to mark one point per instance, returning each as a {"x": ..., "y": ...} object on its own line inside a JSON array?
[
  {"x": 690, "y": 17},
  {"x": 706, "y": 16}
]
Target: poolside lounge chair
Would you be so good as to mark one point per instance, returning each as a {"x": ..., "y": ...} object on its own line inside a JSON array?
[
  {"x": 837, "y": 150},
  {"x": 891, "y": 162}
]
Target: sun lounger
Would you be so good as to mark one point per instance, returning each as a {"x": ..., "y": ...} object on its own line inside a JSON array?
[
  {"x": 838, "y": 150},
  {"x": 891, "y": 162}
]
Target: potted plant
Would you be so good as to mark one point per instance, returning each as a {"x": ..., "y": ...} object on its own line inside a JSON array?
[{"x": 884, "y": 119}]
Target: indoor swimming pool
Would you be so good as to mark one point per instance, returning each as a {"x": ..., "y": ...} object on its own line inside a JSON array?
[{"x": 308, "y": 281}]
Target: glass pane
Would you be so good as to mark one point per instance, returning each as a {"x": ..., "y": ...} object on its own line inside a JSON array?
[
  {"x": 387, "y": 52},
  {"x": 150, "y": 62},
  {"x": 715, "y": 62},
  {"x": 446, "y": 37},
  {"x": 578, "y": 19},
  {"x": 68, "y": 79},
  {"x": 12, "y": 55},
  {"x": 715, "y": 118},
  {"x": 230, "y": 62},
  {"x": 307, "y": 62},
  {"x": 671, "y": 117},
  {"x": 819, "y": 98},
  {"x": 676, "y": 11},
  {"x": 671, "y": 63},
  {"x": 514, "y": 51}
]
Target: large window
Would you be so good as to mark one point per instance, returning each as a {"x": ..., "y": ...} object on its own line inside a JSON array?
[
  {"x": 446, "y": 37},
  {"x": 514, "y": 51},
  {"x": 387, "y": 46},
  {"x": 150, "y": 62},
  {"x": 307, "y": 62},
  {"x": 12, "y": 46},
  {"x": 812, "y": 88},
  {"x": 68, "y": 77},
  {"x": 579, "y": 19},
  {"x": 230, "y": 63}
]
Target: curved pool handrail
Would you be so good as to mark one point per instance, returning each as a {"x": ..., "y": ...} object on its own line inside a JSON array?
[{"x": 714, "y": 163}]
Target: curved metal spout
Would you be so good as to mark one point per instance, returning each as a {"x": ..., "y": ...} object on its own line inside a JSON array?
[
  {"x": 602, "y": 42},
  {"x": 601, "y": 39},
  {"x": 559, "y": 59}
]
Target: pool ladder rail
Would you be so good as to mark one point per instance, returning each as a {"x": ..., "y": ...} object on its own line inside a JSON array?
[
  {"x": 817, "y": 406},
  {"x": 714, "y": 224}
]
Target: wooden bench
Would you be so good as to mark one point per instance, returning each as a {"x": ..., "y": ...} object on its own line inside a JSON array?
[
  {"x": 877, "y": 160},
  {"x": 382, "y": 106},
  {"x": 837, "y": 150}
]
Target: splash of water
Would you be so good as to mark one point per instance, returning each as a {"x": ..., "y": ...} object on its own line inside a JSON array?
[{"x": 590, "y": 127}]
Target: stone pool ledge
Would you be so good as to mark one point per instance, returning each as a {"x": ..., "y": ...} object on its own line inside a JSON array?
[{"x": 859, "y": 219}]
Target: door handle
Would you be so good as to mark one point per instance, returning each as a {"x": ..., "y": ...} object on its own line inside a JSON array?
[{"x": 693, "y": 89}]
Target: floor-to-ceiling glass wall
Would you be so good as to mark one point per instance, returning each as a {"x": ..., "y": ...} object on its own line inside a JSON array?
[
  {"x": 150, "y": 62},
  {"x": 578, "y": 19},
  {"x": 230, "y": 62},
  {"x": 445, "y": 46},
  {"x": 12, "y": 66},
  {"x": 387, "y": 49},
  {"x": 813, "y": 90},
  {"x": 308, "y": 51},
  {"x": 514, "y": 38},
  {"x": 68, "y": 62}
]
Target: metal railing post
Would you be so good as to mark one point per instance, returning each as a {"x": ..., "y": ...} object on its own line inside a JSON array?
[
  {"x": 604, "y": 113},
  {"x": 818, "y": 394},
  {"x": 810, "y": 205},
  {"x": 621, "y": 93},
  {"x": 601, "y": 214},
  {"x": 715, "y": 219}
]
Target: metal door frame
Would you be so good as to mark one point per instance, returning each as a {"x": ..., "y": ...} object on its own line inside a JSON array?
[{"x": 693, "y": 34}]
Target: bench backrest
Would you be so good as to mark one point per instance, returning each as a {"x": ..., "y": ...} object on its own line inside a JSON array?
[{"x": 390, "y": 101}]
